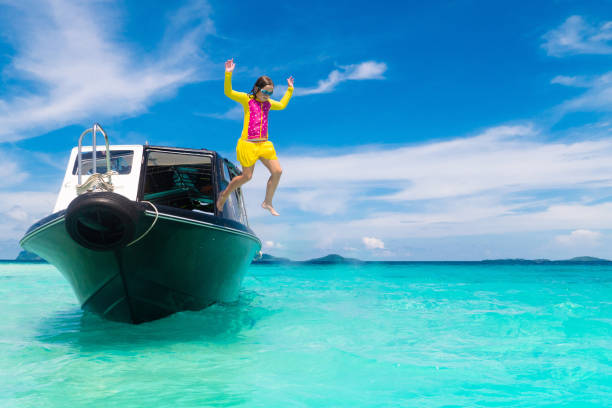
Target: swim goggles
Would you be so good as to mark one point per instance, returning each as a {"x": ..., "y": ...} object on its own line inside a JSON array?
[{"x": 269, "y": 93}]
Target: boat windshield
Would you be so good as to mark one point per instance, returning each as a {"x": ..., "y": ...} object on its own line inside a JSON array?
[
  {"x": 120, "y": 160},
  {"x": 179, "y": 180},
  {"x": 235, "y": 203}
]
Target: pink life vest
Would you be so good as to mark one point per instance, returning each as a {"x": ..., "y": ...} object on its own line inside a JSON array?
[{"x": 258, "y": 120}]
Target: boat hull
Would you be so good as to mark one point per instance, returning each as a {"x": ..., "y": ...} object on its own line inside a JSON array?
[{"x": 180, "y": 264}]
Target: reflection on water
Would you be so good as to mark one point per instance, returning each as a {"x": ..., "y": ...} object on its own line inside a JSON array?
[{"x": 217, "y": 323}]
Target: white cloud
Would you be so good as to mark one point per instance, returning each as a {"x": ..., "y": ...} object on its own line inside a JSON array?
[
  {"x": 575, "y": 36},
  {"x": 272, "y": 244},
  {"x": 447, "y": 223},
  {"x": 10, "y": 172},
  {"x": 365, "y": 70},
  {"x": 598, "y": 97},
  {"x": 373, "y": 243},
  {"x": 235, "y": 113},
  {"x": 503, "y": 159},
  {"x": 321, "y": 201},
  {"x": 571, "y": 81},
  {"x": 79, "y": 68},
  {"x": 505, "y": 180},
  {"x": 362, "y": 71},
  {"x": 18, "y": 210},
  {"x": 17, "y": 213},
  {"x": 462, "y": 220},
  {"x": 579, "y": 237}
]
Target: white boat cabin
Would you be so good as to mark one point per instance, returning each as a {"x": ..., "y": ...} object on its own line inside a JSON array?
[
  {"x": 125, "y": 160},
  {"x": 188, "y": 179}
]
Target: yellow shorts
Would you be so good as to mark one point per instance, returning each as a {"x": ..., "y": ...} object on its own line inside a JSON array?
[{"x": 248, "y": 153}]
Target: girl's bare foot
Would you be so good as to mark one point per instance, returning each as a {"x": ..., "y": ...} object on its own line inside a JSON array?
[{"x": 269, "y": 207}]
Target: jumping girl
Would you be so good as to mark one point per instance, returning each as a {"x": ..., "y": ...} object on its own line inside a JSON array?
[{"x": 253, "y": 144}]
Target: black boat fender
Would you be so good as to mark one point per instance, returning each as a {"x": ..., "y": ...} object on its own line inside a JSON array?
[{"x": 102, "y": 221}]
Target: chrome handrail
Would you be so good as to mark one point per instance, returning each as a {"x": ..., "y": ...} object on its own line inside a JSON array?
[{"x": 93, "y": 129}]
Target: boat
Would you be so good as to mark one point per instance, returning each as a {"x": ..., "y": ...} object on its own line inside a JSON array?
[{"x": 136, "y": 232}]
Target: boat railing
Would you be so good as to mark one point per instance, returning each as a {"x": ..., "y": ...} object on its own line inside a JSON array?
[{"x": 95, "y": 180}]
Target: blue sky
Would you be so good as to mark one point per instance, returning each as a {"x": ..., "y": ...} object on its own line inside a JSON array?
[{"x": 457, "y": 130}]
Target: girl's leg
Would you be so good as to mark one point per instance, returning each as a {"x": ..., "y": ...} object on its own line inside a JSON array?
[
  {"x": 247, "y": 174},
  {"x": 275, "y": 175}
]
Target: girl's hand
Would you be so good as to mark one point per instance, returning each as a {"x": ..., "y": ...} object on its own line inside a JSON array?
[
  {"x": 229, "y": 65},
  {"x": 290, "y": 81}
]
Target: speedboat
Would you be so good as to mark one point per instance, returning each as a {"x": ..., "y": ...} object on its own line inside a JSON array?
[{"x": 136, "y": 232}]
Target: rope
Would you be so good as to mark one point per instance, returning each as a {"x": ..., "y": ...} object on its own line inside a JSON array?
[
  {"x": 96, "y": 182},
  {"x": 151, "y": 227}
]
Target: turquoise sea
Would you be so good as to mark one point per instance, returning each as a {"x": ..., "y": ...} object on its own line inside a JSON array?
[{"x": 375, "y": 335}]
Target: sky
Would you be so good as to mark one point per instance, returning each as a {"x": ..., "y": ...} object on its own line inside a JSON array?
[{"x": 445, "y": 130}]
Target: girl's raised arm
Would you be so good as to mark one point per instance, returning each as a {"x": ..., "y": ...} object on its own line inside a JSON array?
[
  {"x": 227, "y": 85},
  {"x": 274, "y": 105}
]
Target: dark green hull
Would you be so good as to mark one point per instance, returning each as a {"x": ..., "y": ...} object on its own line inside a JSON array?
[{"x": 181, "y": 264}]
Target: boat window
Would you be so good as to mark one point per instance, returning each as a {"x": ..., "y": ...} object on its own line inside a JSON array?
[
  {"x": 234, "y": 201},
  {"x": 242, "y": 210},
  {"x": 179, "y": 180},
  {"x": 120, "y": 160},
  {"x": 226, "y": 173}
]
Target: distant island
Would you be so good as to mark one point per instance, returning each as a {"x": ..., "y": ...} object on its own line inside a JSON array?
[
  {"x": 576, "y": 260},
  {"x": 330, "y": 259},
  {"x": 25, "y": 256},
  {"x": 334, "y": 259},
  {"x": 269, "y": 259}
]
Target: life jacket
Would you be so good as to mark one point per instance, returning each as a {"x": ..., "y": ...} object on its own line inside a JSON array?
[{"x": 258, "y": 120}]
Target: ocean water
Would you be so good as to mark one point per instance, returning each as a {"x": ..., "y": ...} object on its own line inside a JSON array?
[{"x": 377, "y": 335}]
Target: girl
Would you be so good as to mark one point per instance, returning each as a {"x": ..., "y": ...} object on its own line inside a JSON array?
[{"x": 253, "y": 144}]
